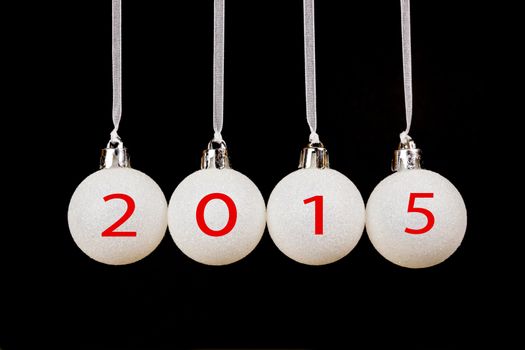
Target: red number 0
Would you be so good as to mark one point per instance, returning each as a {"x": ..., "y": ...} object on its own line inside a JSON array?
[
  {"x": 110, "y": 231},
  {"x": 232, "y": 218},
  {"x": 318, "y": 208},
  {"x": 426, "y": 212}
]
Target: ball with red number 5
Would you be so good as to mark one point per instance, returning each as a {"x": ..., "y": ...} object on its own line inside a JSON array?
[
  {"x": 216, "y": 216},
  {"x": 117, "y": 216},
  {"x": 416, "y": 218}
]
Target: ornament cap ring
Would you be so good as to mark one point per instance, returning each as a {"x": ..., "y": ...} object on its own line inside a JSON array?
[
  {"x": 314, "y": 156},
  {"x": 216, "y": 156},
  {"x": 407, "y": 156},
  {"x": 115, "y": 155}
]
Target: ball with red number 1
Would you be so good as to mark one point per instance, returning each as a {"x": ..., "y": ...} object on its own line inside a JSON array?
[
  {"x": 316, "y": 216},
  {"x": 216, "y": 216},
  {"x": 416, "y": 218},
  {"x": 117, "y": 216}
]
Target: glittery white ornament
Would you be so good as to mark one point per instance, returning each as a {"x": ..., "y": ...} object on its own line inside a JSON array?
[
  {"x": 315, "y": 215},
  {"x": 416, "y": 218},
  {"x": 216, "y": 216},
  {"x": 117, "y": 216}
]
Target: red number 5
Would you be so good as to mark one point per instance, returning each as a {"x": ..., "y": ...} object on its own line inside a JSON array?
[
  {"x": 426, "y": 212},
  {"x": 110, "y": 231}
]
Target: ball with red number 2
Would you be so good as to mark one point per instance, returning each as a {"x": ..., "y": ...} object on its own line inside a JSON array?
[
  {"x": 416, "y": 218},
  {"x": 216, "y": 217},
  {"x": 117, "y": 216}
]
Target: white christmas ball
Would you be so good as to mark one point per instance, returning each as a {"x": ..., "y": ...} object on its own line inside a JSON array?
[
  {"x": 117, "y": 216},
  {"x": 216, "y": 217},
  {"x": 416, "y": 218},
  {"x": 316, "y": 216}
]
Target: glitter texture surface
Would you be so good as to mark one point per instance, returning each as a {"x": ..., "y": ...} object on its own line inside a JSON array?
[
  {"x": 387, "y": 217},
  {"x": 227, "y": 248},
  {"x": 89, "y": 215},
  {"x": 291, "y": 222}
]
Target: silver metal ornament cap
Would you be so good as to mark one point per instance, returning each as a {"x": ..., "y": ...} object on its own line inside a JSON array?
[
  {"x": 115, "y": 155},
  {"x": 216, "y": 156},
  {"x": 407, "y": 156},
  {"x": 314, "y": 156}
]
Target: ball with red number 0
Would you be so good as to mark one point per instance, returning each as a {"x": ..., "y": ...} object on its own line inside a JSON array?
[
  {"x": 416, "y": 218},
  {"x": 316, "y": 216},
  {"x": 117, "y": 216},
  {"x": 216, "y": 217}
]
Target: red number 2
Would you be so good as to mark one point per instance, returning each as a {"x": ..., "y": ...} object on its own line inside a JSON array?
[
  {"x": 110, "y": 231},
  {"x": 426, "y": 212},
  {"x": 318, "y": 200},
  {"x": 232, "y": 217}
]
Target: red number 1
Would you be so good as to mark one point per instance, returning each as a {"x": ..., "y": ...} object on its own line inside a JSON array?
[
  {"x": 318, "y": 200},
  {"x": 426, "y": 212},
  {"x": 110, "y": 231}
]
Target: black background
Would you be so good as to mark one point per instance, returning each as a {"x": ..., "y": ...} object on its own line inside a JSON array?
[{"x": 53, "y": 296}]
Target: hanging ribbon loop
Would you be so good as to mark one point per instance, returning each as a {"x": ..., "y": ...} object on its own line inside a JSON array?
[
  {"x": 218, "y": 69},
  {"x": 407, "y": 66},
  {"x": 117, "y": 67},
  {"x": 309, "y": 69}
]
